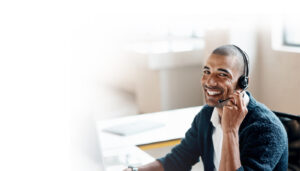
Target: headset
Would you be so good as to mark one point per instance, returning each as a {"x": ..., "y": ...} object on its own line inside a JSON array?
[{"x": 244, "y": 79}]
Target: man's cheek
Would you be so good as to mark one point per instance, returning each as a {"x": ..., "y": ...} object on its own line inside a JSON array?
[{"x": 230, "y": 86}]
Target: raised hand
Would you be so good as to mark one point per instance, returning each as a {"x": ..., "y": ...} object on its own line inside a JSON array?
[{"x": 234, "y": 113}]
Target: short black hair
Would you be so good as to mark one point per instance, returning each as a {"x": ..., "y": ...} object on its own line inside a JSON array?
[{"x": 231, "y": 50}]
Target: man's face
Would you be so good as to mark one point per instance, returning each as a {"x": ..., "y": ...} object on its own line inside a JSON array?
[{"x": 220, "y": 76}]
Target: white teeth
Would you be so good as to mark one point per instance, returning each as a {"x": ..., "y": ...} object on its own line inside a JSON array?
[{"x": 211, "y": 93}]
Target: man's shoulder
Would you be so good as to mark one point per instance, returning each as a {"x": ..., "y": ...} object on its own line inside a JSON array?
[
  {"x": 260, "y": 119},
  {"x": 260, "y": 113},
  {"x": 204, "y": 114},
  {"x": 206, "y": 109}
]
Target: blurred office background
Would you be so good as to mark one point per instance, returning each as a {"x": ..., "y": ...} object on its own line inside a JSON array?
[{"x": 67, "y": 64}]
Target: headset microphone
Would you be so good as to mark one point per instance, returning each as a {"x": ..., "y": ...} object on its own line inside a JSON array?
[
  {"x": 243, "y": 80},
  {"x": 221, "y": 101}
]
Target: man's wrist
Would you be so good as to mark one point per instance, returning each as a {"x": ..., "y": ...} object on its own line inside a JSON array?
[{"x": 230, "y": 131}]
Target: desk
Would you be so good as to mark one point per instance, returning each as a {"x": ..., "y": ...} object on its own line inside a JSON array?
[{"x": 176, "y": 123}]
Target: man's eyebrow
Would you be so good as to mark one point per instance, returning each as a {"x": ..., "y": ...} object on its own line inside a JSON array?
[
  {"x": 205, "y": 67},
  {"x": 224, "y": 70}
]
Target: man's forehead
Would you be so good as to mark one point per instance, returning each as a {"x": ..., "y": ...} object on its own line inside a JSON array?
[
  {"x": 229, "y": 63},
  {"x": 220, "y": 59}
]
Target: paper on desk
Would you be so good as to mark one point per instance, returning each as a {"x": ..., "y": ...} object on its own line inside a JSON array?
[{"x": 133, "y": 127}]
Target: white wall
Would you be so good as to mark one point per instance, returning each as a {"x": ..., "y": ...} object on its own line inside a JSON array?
[{"x": 279, "y": 72}]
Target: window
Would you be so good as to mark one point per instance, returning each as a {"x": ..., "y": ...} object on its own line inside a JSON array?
[
  {"x": 291, "y": 32},
  {"x": 286, "y": 33}
]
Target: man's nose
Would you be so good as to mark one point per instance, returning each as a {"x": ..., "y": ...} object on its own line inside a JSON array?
[{"x": 211, "y": 81}]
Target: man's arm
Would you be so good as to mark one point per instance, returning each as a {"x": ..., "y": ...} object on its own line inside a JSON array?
[
  {"x": 153, "y": 166},
  {"x": 233, "y": 115},
  {"x": 230, "y": 157}
]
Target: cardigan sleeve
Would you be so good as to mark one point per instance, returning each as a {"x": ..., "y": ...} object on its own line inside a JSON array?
[
  {"x": 186, "y": 154},
  {"x": 263, "y": 147}
]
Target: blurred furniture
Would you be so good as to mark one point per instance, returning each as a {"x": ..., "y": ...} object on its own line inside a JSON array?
[
  {"x": 168, "y": 75},
  {"x": 292, "y": 126}
]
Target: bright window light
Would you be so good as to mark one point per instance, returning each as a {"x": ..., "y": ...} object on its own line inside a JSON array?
[{"x": 291, "y": 32}]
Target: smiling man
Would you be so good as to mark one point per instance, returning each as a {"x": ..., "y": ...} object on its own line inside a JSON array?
[{"x": 232, "y": 131}]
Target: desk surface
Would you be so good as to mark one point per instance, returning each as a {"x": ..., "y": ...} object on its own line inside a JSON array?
[{"x": 176, "y": 123}]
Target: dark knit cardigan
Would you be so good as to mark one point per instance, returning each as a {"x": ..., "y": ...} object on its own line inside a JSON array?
[{"x": 262, "y": 142}]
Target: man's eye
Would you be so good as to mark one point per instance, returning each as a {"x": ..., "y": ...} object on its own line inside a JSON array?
[
  {"x": 206, "y": 72},
  {"x": 223, "y": 75}
]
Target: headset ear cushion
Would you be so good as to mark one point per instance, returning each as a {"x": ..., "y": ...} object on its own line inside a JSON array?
[{"x": 243, "y": 82}]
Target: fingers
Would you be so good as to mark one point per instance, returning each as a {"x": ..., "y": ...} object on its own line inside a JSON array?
[
  {"x": 240, "y": 103},
  {"x": 238, "y": 99},
  {"x": 231, "y": 101},
  {"x": 231, "y": 105}
]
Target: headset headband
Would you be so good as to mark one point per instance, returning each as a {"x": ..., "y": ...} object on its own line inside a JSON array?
[{"x": 245, "y": 58}]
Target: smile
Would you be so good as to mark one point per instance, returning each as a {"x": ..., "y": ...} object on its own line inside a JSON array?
[{"x": 213, "y": 92}]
